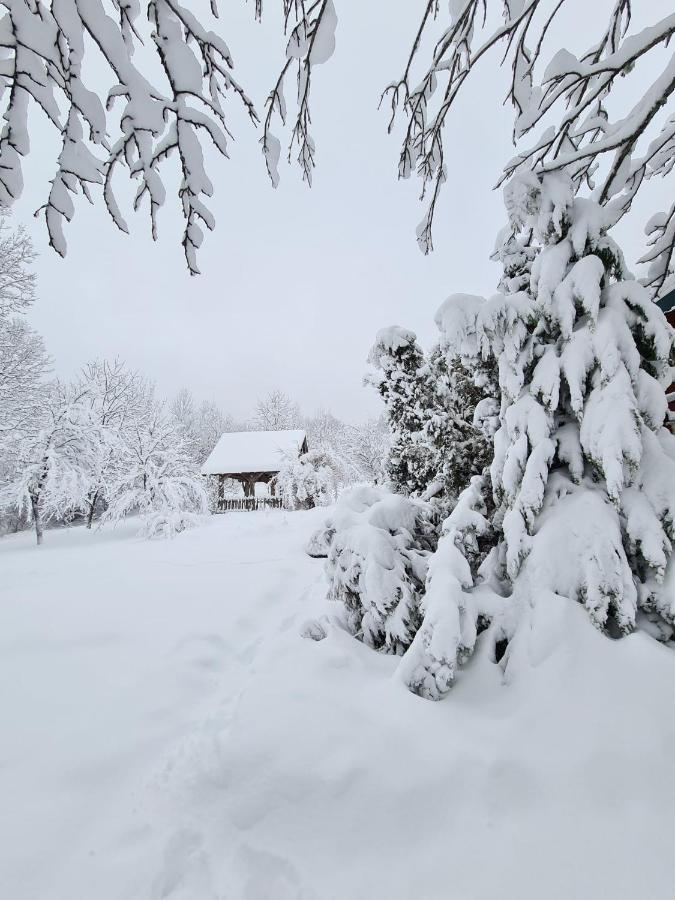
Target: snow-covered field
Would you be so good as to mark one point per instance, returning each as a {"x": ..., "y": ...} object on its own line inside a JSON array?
[{"x": 167, "y": 733}]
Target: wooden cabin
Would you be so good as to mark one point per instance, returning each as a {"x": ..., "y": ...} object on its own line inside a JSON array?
[
  {"x": 667, "y": 304},
  {"x": 251, "y": 458}
]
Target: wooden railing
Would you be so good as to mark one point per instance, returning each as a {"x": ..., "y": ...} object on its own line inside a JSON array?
[{"x": 250, "y": 504}]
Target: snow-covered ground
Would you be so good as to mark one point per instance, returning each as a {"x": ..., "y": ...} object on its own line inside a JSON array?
[{"x": 165, "y": 732}]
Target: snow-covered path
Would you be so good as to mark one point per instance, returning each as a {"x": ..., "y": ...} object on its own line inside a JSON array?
[
  {"x": 165, "y": 732},
  {"x": 114, "y": 653}
]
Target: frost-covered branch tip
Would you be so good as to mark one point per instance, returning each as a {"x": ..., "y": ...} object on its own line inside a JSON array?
[{"x": 311, "y": 28}]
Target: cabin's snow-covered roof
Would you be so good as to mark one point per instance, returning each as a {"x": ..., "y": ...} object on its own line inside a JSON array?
[{"x": 252, "y": 451}]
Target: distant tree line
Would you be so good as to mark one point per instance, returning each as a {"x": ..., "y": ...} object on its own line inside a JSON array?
[{"x": 105, "y": 445}]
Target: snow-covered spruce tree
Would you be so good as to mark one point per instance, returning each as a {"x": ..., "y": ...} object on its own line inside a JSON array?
[
  {"x": 459, "y": 447},
  {"x": 583, "y": 477},
  {"x": 401, "y": 378},
  {"x": 430, "y": 403},
  {"x": 157, "y": 479},
  {"x": 308, "y": 481},
  {"x": 516, "y": 253}
]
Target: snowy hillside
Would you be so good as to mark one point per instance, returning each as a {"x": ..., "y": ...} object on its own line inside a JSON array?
[{"x": 169, "y": 734}]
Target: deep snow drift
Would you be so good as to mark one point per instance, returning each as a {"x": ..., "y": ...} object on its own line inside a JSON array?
[{"x": 165, "y": 732}]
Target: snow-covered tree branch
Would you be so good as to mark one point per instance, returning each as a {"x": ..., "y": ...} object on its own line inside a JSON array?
[
  {"x": 168, "y": 103},
  {"x": 604, "y": 142},
  {"x": 311, "y": 27},
  {"x": 276, "y": 412}
]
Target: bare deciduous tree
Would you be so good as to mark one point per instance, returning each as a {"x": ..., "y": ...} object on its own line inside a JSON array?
[
  {"x": 202, "y": 424},
  {"x": 277, "y": 412},
  {"x": 17, "y": 278}
]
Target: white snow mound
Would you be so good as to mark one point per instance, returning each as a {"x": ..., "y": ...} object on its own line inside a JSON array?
[{"x": 168, "y": 733}]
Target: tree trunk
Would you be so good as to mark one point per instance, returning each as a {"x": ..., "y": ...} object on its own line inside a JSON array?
[
  {"x": 37, "y": 517},
  {"x": 92, "y": 510}
]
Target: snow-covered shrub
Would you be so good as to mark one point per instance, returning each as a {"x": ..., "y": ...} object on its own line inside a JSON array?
[
  {"x": 358, "y": 450},
  {"x": 168, "y": 504},
  {"x": 318, "y": 546},
  {"x": 309, "y": 480},
  {"x": 583, "y": 476},
  {"x": 377, "y": 563}
]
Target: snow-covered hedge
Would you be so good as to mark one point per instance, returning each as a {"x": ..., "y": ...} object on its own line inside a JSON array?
[
  {"x": 167, "y": 504},
  {"x": 377, "y": 564},
  {"x": 308, "y": 481}
]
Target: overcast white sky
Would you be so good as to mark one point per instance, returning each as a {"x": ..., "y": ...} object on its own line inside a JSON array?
[{"x": 295, "y": 282}]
